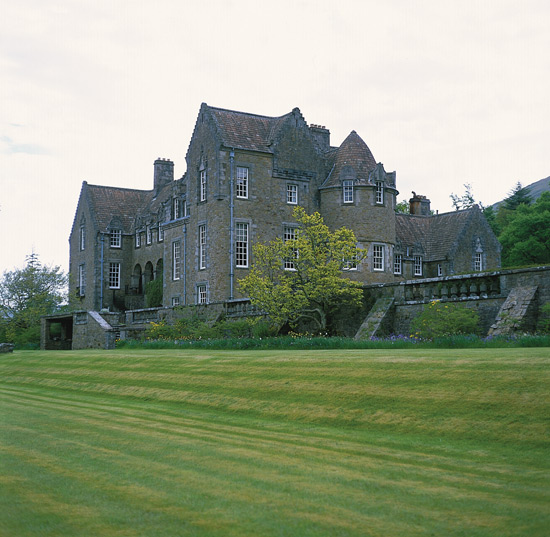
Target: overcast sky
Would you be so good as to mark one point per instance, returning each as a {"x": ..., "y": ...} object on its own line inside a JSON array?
[{"x": 442, "y": 92}]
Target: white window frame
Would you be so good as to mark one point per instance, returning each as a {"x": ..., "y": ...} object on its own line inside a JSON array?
[
  {"x": 115, "y": 238},
  {"x": 378, "y": 257},
  {"x": 202, "y": 185},
  {"x": 148, "y": 235},
  {"x": 114, "y": 275},
  {"x": 418, "y": 265},
  {"x": 241, "y": 244},
  {"x": 202, "y": 246},
  {"x": 398, "y": 264},
  {"x": 292, "y": 194},
  {"x": 161, "y": 233},
  {"x": 202, "y": 293},
  {"x": 379, "y": 193},
  {"x": 176, "y": 260},
  {"x": 81, "y": 279},
  {"x": 175, "y": 301},
  {"x": 138, "y": 239},
  {"x": 177, "y": 204},
  {"x": 82, "y": 237},
  {"x": 478, "y": 261},
  {"x": 347, "y": 191},
  {"x": 289, "y": 234},
  {"x": 241, "y": 184},
  {"x": 350, "y": 264}
]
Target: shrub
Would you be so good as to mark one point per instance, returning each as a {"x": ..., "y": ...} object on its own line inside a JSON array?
[
  {"x": 440, "y": 319},
  {"x": 544, "y": 319},
  {"x": 153, "y": 293}
]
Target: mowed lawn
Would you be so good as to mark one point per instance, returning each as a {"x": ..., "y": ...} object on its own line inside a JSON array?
[{"x": 275, "y": 443}]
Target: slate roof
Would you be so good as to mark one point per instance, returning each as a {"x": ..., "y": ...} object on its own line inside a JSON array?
[
  {"x": 355, "y": 153},
  {"x": 437, "y": 234},
  {"x": 242, "y": 130},
  {"x": 123, "y": 203}
]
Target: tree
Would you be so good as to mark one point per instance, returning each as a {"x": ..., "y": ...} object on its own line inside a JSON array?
[
  {"x": 466, "y": 200},
  {"x": 303, "y": 278},
  {"x": 526, "y": 238},
  {"x": 25, "y": 295},
  {"x": 402, "y": 207},
  {"x": 518, "y": 196}
]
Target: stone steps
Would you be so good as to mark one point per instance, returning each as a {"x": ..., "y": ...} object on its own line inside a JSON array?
[
  {"x": 374, "y": 321},
  {"x": 514, "y": 311}
]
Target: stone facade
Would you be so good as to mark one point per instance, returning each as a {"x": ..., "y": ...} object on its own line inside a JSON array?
[{"x": 245, "y": 175}]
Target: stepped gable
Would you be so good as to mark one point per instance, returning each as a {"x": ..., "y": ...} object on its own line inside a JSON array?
[
  {"x": 107, "y": 202},
  {"x": 352, "y": 157},
  {"x": 242, "y": 130},
  {"x": 437, "y": 234}
]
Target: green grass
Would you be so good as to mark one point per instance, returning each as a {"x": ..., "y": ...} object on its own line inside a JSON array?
[{"x": 200, "y": 442}]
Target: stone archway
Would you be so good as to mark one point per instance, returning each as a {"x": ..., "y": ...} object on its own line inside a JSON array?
[{"x": 136, "y": 285}]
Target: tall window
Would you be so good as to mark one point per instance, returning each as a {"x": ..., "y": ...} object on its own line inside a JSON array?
[
  {"x": 379, "y": 192},
  {"x": 241, "y": 244},
  {"x": 161, "y": 233},
  {"x": 202, "y": 246},
  {"x": 398, "y": 264},
  {"x": 202, "y": 294},
  {"x": 138, "y": 239},
  {"x": 115, "y": 238},
  {"x": 202, "y": 185},
  {"x": 149, "y": 234},
  {"x": 242, "y": 182},
  {"x": 418, "y": 265},
  {"x": 81, "y": 280},
  {"x": 292, "y": 194},
  {"x": 176, "y": 260},
  {"x": 289, "y": 234},
  {"x": 378, "y": 257},
  {"x": 347, "y": 191},
  {"x": 82, "y": 236},
  {"x": 439, "y": 269},
  {"x": 478, "y": 261},
  {"x": 351, "y": 263},
  {"x": 178, "y": 209},
  {"x": 114, "y": 275}
]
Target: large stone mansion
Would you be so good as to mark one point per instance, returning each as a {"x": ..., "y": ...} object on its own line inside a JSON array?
[{"x": 245, "y": 175}]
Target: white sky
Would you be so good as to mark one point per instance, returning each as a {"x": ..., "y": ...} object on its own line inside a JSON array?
[{"x": 443, "y": 92}]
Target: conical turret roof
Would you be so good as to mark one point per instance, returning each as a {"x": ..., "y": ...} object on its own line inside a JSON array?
[{"x": 353, "y": 160}]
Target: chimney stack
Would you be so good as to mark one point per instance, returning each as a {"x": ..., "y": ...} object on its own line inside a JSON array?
[
  {"x": 163, "y": 174},
  {"x": 419, "y": 205}
]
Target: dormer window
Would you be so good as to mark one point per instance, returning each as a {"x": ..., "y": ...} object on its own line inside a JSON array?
[
  {"x": 347, "y": 191},
  {"x": 115, "y": 238},
  {"x": 242, "y": 183},
  {"x": 379, "y": 193}
]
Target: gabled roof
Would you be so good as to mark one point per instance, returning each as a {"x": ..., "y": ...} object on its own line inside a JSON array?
[
  {"x": 242, "y": 130},
  {"x": 437, "y": 234},
  {"x": 107, "y": 202},
  {"x": 352, "y": 157}
]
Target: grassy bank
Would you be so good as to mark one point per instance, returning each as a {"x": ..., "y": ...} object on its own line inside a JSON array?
[{"x": 224, "y": 443}]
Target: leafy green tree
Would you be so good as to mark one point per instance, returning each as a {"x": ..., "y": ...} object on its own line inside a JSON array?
[
  {"x": 304, "y": 278},
  {"x": 466, "y": 200},
  {"x": 526, "y": 238},
  {"x": 25, "y": 295},
  {"x": 518, "y": 196},
  {"x": 402, "y": 207}
]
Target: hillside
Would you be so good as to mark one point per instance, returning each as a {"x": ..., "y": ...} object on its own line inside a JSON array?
[{"x": 535, "y": 190}]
